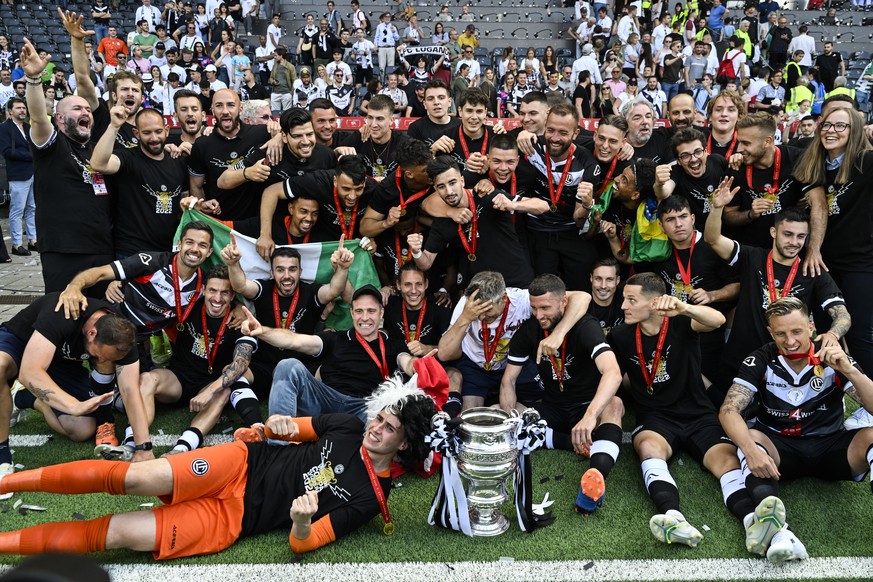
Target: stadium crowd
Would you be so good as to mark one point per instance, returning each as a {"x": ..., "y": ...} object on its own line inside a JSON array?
[{"x": 705, "y": 274}]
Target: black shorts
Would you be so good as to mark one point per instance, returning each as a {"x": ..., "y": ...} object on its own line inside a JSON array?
[
  {"x": 362, "y": 75},
  {"x": 192, "y": 384},
  {"x": 561, "y": 417},
  {"x": 824, "y": 457},
  {"x": 695, "y": 435}
]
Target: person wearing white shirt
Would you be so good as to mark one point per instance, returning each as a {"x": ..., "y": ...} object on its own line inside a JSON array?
[
  {"x": 362, "y": 52},
  {"x": 274, "y": 33},
  {"x": 803, "y": 42},
  {"x": 473, "y": 75},
  {"x": 653, "y": 94},
  {"x": 337, "y": 63},
  {"x": 581, "y": 5},
  {"x": 264, "y": 60},
  {"x": 587, "y": 62},
  {"x": 413, "y": 33},
  {"x": 212, "y": 77},
  {"x": 659, "y": 33},
  {"x": 604, "y": 22},
  {"x": 148, "y": 13},
  {"x": 628, "y": 24},
  {"x": 583, "y": 34},
  {"x": 212, "y": 5},
  {"x": 168, "y": 68}
]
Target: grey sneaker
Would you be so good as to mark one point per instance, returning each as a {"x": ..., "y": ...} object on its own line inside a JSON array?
[
  {"x": 861, "y": 418},
  {"x": 769, "y": 517},
  {"x": 671, "y": 528},
  {"x": 114, "y": 452}
]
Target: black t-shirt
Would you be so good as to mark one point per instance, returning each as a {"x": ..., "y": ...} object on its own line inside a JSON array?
[
  {"x": 699, "y": 191},
  {"x": 304, "y": 319},
  {"x": 428, "y": 131},
  {"x": 149, "y": 299},
  {"x": 381, "y": 159},
  {"x": 460, "y": 157},
  {"x": 677, "y": 390},
  {"x": 657, "y": 148},
  {"x": 124, "y": 139},
  {"x": 602, "y": 176},
  {"x": 391, "y": 244},
  {"x": 434, "y": 324},
  {"x": 848, "y": 243},
  {"x": 757, "y": 232},
  {"x": 387, "y": 195},
  {"x": 722, "y": 149},
  {"x": 73, "y": 213},
  {"x": 147, "y": 207},
  {"x": 65, "y": 334},
  {"x": 582, "y": 169},
  {"x": 793, "y": 404},
  {"x": 279, "y": 230},
  {"x": 190, "y": 352},
  {"x": 609, "y": 316},
  {"x": 213, "y": 154},
  {"x": 585, "y": 341},
  {"x": 320, "y": 185},
  {"x": 331, "y": 466},
  {"x": 347, "y": 368},
  {"x": 322, "y": 158},
  {"x": 418, "y": 108},
  {"x": 624, "y": 218},
  {"x": 497, "y": 249},
  {"x": 257, "y": 91},
  {"x": 749, "y": 329}
]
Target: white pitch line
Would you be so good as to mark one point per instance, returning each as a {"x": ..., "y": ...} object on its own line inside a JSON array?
[{"x": 523, "y": 571}]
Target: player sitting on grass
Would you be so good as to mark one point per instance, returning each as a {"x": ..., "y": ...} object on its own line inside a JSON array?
[
  {"x": 216, "y": 495},
  {"x": 798, "y": 432}
]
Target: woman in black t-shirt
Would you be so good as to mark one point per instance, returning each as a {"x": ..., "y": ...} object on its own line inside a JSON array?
[{"x": 605, "y": 104}]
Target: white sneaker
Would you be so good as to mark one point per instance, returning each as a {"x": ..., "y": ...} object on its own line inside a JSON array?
[
  {"x": 671, "y": 528},
  {"x": 18, "y": 415},
  {"x": 114, "y": 452},
  {"x": 6, "y": 469},
  {"x": 861, "y": 418},
  {"x": 769, "y": 517},
  {"x": 785, "y": 547}
]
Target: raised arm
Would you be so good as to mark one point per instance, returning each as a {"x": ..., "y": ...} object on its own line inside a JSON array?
[
  {"x": 450, "y": 343},
  {"x": 102, "y": 158},
  {"x": 40, "y": 125},
  {"x": 341, "y": 260},
  {"x": 722, "y": 245},
  {"x": 81, "y": 63},
  {"x": 281, "y": 338},
  {"x": 231, "y": 256},
  {"x": 269, "y": 201}
]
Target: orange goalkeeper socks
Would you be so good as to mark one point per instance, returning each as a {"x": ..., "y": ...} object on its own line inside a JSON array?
[
  {"x": 72, "y": 478},
  {"x": 74, "y": 537}
]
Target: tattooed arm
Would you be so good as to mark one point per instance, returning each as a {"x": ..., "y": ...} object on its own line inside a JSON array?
[
  {"x": 242, "y": 357},
  {"x": 841, "y": 321},
  {"x": 731, "y": 417},
  {"x": 33, "y": 373}
]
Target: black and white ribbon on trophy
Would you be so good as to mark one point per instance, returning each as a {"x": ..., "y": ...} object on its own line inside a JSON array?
[{"x": 530, "y": 434}]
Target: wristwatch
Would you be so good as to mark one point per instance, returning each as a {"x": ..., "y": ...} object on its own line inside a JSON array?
[{"x": 146, "y": 446}]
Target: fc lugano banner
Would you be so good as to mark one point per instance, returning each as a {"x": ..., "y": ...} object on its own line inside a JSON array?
[{"x": 314, "y": 261}]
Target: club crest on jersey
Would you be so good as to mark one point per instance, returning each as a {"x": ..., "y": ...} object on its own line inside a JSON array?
[
  {"x": 816, "y": 383},
  {"x": 199, "y": 467},
  {"x": 163, "y": 198}
]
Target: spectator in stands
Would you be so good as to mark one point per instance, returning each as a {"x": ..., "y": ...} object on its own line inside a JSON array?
[
  {"x": 440, "y": 36},
  {"x": 255, "y": 112},
  {"x": 466, "y": 15},
  {"x": 413, "y": 34},
  {"x": 138, "y": 62},
  {"x": 386, "y": 39},
  {"x": 324, "y": 43},
  {"x": 159, "y": 57},
  {"x": 363, "y": 51},
  {"x": 282, "y": 79},
  {"x": 101, "y": 14},
  {"x": 15, "y": 149},
  {"x": 274, "y": 33},
  {"x": 191, "y": 36},
  {"x": 334, "y": 20},
  {"x": 584, "y": 95},
  {"x": 605, "y": 104},
  {"x": 470, "y": 37},
  {"x": 830, "y": 64},
  {"x": 489, "y": 87},
  {"x": 111, "y": 46},
  {"x": 397, "y": 95},
  {"x": 264, "y": 57},
  {"x": 473, "y": 74},
  {"x": 444, "y": 15},
  {"x": 460, "y": 84},
  {"x": 780, "y": 38},
  {"x": 338, "y": 64},
  {"x": 504, "y": 96}
]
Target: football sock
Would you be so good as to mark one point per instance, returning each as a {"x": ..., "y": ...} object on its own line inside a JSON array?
[
  {"x": 24, "y": 399},
  {"x": 5, "y": 452},
  {"x": 558, "y": 440},
  {"x": 758, "y": 488},
  {"x": 453, "y": 404},
  {"x": 189, "y": 440},
  {"x": 72, "y": 478},
  {"x": 870, "y": 462},
  {"x": 128, "y": 436},
  {"x": 76, "y": 537},
  {"x": 246, "y": 404},
  {"x": 660, "y": 485},
  {"x": 733, "y": 491},
  {"x": 103, "y": 384},
  {"x": 604, "y": 449}
]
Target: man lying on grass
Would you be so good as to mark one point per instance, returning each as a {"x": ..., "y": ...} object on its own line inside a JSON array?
[{"x": 332, "y": 484}]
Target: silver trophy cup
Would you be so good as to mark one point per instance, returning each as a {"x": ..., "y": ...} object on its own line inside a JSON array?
[{"x": 486, "y": 459}]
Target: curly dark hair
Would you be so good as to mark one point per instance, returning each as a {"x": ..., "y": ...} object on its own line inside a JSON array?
[{"x": 414, "y": 412}]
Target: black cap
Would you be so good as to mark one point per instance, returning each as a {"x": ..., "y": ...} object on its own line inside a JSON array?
[
  {"x": 368, "y": 290},
  {"x": 160, "y": 45}
]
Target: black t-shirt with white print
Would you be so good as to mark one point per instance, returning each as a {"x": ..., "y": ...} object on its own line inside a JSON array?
[
  {"x": 434, "y": 324},
  {"x": 848, "y": 244},
  {"x": 428, "y": 131},
  {"x": 609, "y": 316},
  {"x": 698, "y": 191},
  {"x": 319, "y": 184},
  {"x": 347, "y": 368},
  {"x": 381, "y": 160},
  {"x": 306, "y": 316},
  {"x": 582, "y": 169},
  {"x": 322, "y": 158}
]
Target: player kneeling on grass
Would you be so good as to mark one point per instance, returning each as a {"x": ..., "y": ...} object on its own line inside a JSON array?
[
  {"x": 332, "y": 483},
  {"x": 579, "y": 382},
  {"x": 658, "y": 348},
  {"x": 209, "y": 366},
  {"x": 798, "y": 431}
]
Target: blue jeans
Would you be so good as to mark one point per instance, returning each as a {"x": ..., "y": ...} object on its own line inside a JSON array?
[
  {"x": 670, "y": 90},
  {"x": 101, "y": 31},
  {"x": 296, "y": 392},
  {"x": 21, "y": 204}
]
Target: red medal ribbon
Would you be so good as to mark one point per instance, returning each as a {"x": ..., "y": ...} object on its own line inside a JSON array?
[
  {"x": 421, "y": 313},
  {"x": 685, "y": 273},
  {"x": 649, "y": 375},
  {"x": 730, "y": 150},
  {"x": 777, "y": 168},
  {"x": 277, "y": 313},
  {"x": 177, "y": 293},
  {"x": 404, "y": 202},
  {"x": 554, "y": 196},
  {"x": 489, "y": 347},
  {"x": 512, "y": 184},
  {"x": 608, "y": 177},
  {"x": 559, "y": 370},
  {"x": 288, "y": 232},
  {"x": 470, "y": 245},
  {"x": 347, "y": 229},
  {"x": 398, "y": 248},
  {"x": 808, "y": 356},
  {"x": 463, "y": 141},
  {"x": 377, "y": 489},
  {"x": 771, "y": 284},
  {"x": 210, "y": 354},
  {"x": 383, "y": 364}
]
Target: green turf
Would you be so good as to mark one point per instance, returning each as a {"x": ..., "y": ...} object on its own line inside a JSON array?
[{"x": 833, "y": 519}]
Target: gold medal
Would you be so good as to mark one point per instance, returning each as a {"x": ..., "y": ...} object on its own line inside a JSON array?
[
  {"x": 388, "y": 529},
  {"x": 818, "y": 370},
  {"x": 553, "y": 207},
  {"x": 488, "y": 366},
  {"x": 180, "y": 326},
  {"x": 650, "y": 390},
  {"x": 402, "y": 213},
  {"x": 771, "y": 196},
  {"x": 209, "y": 369},
  {"x": 471, "y": 257}
]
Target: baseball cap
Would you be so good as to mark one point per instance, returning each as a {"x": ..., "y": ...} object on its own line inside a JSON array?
[
  {"x": 587, "y": 49},
  {"x": 160, "y": 45},
  {"x": 368, "y": 290},
  {"x": 305, "y": 71},
  {"x": 211, "y": 68},
  {"x": 194, "y": 67}
]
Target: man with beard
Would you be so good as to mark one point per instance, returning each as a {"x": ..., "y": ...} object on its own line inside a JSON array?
[
  {"x": 72, "y": 203},
  {"x": 146, "y": 216},
  {"x": 640, "y": 117},
  {"x": 605, "y": 302},
  {"x": 680, "y": 113},
  {"x": 380, "y": 148},
  {"x": 723, "y": 112},
  {"x": 695, "y": 175},
  {"x": 285, "y": 301},
  {"x": 292, "y": 229},
  {"x": 190, "y": 117},
  {"x": 766, "y": 276},
  {"x": 630, "y": 189},
  {"x": 437, "y": 101},
  {"x": 301, "y": 153},
  {"x": 225, "y": 149},
  {"x": 411, "y": 316}
]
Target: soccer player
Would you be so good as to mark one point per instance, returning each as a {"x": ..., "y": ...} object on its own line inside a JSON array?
[
  {"x": 798, "y": 385},
  {"x": 468, "y": 146},
  {"x": 216, "y": 495},
  {"x": 605, "y": 301},
  {"x": 723, "y": 112},
  {"x": 437, "y": 101},
  {"x": 380, "y": 149},
  {"x": 413, "y": 318},
  {"x": 579, "y": 382}
]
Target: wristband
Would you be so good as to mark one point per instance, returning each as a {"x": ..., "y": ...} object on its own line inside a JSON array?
[
  {"x": 244, "y": 174},
  {"x": 146, "y": 446},
  {"x": 417, "y": 254}
]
